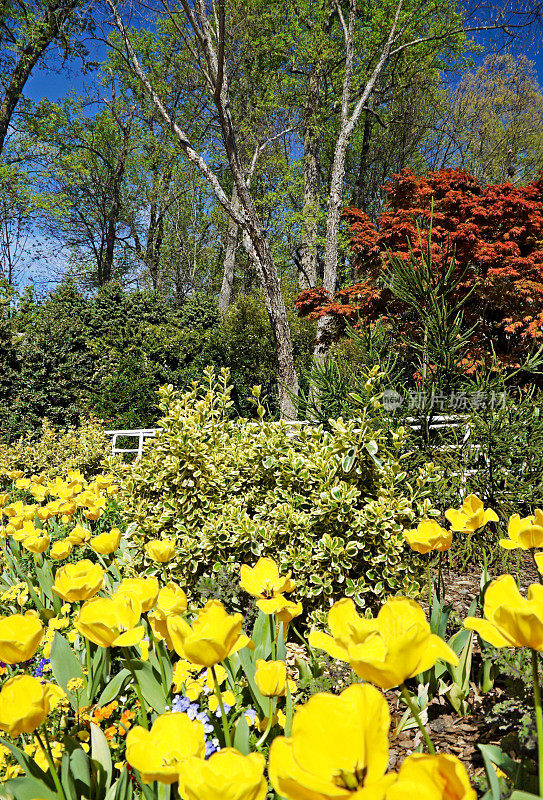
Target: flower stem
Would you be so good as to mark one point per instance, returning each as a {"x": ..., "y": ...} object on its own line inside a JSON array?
[
  {"x": 271, "y": 618},
  {"x": 89, "y": 669},
  {"x": 50, "y": 763},
  {"x": 538, "y": 716},
  {"x": 224, "y": 721},
  {"x": 143, "y": 707},
  {"x": 440, "y": 583},
  {"x": 429, "y": 585},
  {"x": 271, "y": 714},
  {"x": 412, "y": 707}
]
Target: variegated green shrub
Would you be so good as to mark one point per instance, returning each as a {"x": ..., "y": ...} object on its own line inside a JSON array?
[{"x": 328, "y": 505}]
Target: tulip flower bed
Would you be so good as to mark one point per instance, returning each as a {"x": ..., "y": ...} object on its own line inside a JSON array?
[{"x": 118, "y": 686}]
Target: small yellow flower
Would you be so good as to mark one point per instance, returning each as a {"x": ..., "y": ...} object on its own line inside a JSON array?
[
  {"x": 471, "y": 516},
  {"x": 79, "y": 581},
  {"x": 79, "y": 535},
  {"x": 20, "y": 636},
  {"x": 106, "y": 543},
  {"x": 24, "y": 704},
  {"x": 263, "y": 581},
  {"x": 214, "y": 635},
  {"x": 61, "y": 550},
  {"x": 161, "y": 550},
  {"x": 428, "y": 536},
  {"x": 271, "y": 678}
]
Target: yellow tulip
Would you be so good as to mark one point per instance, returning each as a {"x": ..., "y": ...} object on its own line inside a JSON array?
[
  {"x": 338, "y": 748},
  {"x": 271, "y": 678},
  {"x": 106, "y": 543},
  {"x": 396, "y": 645},
  {"x": 79, "y": 581},
  {"x": 111, "y": 621},
  {"x": 79, "y": 535},
  {"x": 471, "y": 516},
  {"x": 432, "y": 777},
  {"x": 161, "y": 550},
  {"x": 227, "y": 775},
  {"x": 214, "y": 635},
  {"x": 157, "y": 754},
  {"x": 171, "y": 600},
  {"x": 144, "y": 589},
  {"x": 61, "y": 549},
  {"x": 511, "y": 620},
  {"x": 263, "y": 581},
  {"x": 428, "y": 537},
  {"x": 288, "y": 612},
  {"x": 20, "y": 636},
  {"x": 524, "y": 533},
  {"x": 24, "y": 704},
  {"x": 36, "y": 543}
]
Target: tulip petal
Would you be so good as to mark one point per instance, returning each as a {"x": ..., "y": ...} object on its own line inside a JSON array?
[
  {"x": 436, "y": 649},
  {"x": 129, "y": 638},
  {"x": 321, "y": 641},
  {"x": 487, "y": 631}
]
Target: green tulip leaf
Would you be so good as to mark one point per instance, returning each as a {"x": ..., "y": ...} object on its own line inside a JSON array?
[
  {"x": 65, "y": 666},
  {"x": 241, "y": 736},
  {"x": 101, "y": 757},
  {"x": 113, "y": 688},
  {"x": 28, "y": 789}
]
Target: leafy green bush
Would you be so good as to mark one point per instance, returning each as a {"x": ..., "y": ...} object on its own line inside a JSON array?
[
  {"x": 55, "y": 452},
  {"x": 328, "y": 505}
]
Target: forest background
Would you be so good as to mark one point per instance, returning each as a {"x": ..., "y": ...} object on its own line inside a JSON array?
[{"x": 165, "y": 213}]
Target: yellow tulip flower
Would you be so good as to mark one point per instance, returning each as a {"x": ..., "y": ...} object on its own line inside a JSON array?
[
  {"x": 61, "y": 549},
  {"x": 511, "y": 620},
  {"x": 227, "y": 774},
  {"x": 396, "y": 645},
  {"x": 79, "y": 581},
  {"x": 214, "y": 635},
  {"x": 20, "y": 636},
  {"x": 79, "y": 535},
  {"x": 432, "y": 777},
  {"x": 36, "y": 543},
  {"x": 161, "y": 550},
  {"x": 144, "y": 589},
  {"x": 158, "y": 754},
  {"x": 288, "y": 612},
  {"x": 3, "y": 500},
  {"x": 263, "y": 581},
  {"x": 428, "y": 537},
  {"x": 271, "y": 678},
  {"x": 171, "y": 600},
  {"x": 471, "y": 516},
  {"x": 111, "y": 621},
  {"x": 526, "y": 533},
  {"x": 24, "y": 704},
  {"x": 106, "y": 543},
  {"x": 338, "y": 748}
]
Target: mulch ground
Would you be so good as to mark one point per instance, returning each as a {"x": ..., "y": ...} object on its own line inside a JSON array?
[{"x": 450, "y": 732}]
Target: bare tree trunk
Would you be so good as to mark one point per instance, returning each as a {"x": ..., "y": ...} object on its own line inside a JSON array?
[
  {"x": 225, "y": 295},
  {"x": 308, "y": 273},
  {"x": 246, "y": 216}
]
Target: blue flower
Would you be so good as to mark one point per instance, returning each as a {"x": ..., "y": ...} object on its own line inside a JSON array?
[
  {"x": 181, "y": 704},
  {"x": 42, "y": 664},
  {"x": 204, "y": 719},
  {"x": 212, "y": 745},
  {"x": 226, "y": 710},
  {"x": 251, "y": 713}
]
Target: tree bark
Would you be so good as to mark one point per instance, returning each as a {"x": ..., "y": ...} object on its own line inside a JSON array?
[
  {"x": 246, "y": 216},
  {"x": 225, "y": 295},
  {"x": 47, "y": 28},
  {"x": 308, "y": 278}
]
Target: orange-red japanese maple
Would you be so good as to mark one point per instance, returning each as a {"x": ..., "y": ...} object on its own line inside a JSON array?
[{"x": 496, "y": 232}]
